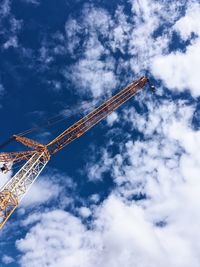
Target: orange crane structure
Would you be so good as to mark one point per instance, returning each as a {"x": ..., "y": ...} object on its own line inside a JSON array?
[{"x": 36, "y": 159}]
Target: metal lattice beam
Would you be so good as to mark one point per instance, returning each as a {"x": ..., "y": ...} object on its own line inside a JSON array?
[
  {"x": 16, "y": 188},
  {"x": 87, "y": 122}
]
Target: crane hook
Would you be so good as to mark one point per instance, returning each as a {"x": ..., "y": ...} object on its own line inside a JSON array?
[{"x": 152, "y": 87}]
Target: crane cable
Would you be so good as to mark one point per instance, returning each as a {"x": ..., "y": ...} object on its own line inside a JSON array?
[
  {"x": 49, "y": 122},
  {"x": 56, "y": 119}
]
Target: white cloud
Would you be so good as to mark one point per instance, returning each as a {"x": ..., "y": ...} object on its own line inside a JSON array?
[
  {"x": 7, "y": 259},
  {"x": 72, "y": 28},
  {"x": 122, "y": 234},
  {"x": 58, "y": 238},
  {"x": 84, "y": 212},
  {"x": 97, "y": 19},
  {"x": 12, "y": 42},
  {"x": 95, "y": 198},
  {"x": 143, "y": 37},
  {"x": 91, "y": 73},
  {"x": 190, "y": 23},
  {"x": 47, "y": 188},
  {"x": 112, "y": 118},
  {"x": 42, "y": 191},
  {"x": 165, "y": 168},
  {"x": 95, "y": 170},
  {"x": 5, "y": 8},
  {"x": 44, "y": 55},
  {"x": 9, "y": 25},
  {"x": 179, "y": 70}
]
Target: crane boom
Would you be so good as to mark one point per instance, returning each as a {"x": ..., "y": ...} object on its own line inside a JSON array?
[
  {"x": 15, "y": 189},
  {"x": 87, "y": 122}
]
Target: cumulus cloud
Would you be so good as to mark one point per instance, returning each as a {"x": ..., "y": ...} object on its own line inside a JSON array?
[
  {"x": 189, "y": 23},
  {"x": 84, "y": 212},
  {"x": 42, "y": 191},
  {"x": 182, "y": 66},
  {"x": 49, "y": 187},
  {"x": 163, "y": 168},
  {"x": 144, "y": 38},
  {"x": 91, "y": 73},
  {"x": 112, "y": 118},
  {"x": 162, "y": 173},
  {"x": 62, "y": 239},
  {"x": 5, "y": 8},
  {"x": 9, "y": 26},
  {"x": 7, "y": 259},
  {"x": 185, "y": 66},
  {"x": 12, "y": 42}
]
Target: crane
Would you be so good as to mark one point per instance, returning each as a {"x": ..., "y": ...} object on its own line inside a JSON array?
[{"x": 38, "y": 156}]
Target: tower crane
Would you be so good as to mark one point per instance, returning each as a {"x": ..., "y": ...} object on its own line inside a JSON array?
[{"x": 38, "y": 156}]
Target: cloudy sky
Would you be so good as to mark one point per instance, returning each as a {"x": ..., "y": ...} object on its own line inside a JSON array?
[{"x": 127, "y": 192}]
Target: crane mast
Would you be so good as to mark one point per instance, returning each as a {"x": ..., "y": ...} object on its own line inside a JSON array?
[{"x": 36, "y": 159}]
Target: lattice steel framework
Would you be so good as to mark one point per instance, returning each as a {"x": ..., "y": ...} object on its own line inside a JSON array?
[{"x": 15, "y": 189}]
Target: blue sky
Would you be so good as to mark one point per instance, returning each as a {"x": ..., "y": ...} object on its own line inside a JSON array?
[{"x": 127, "y": 192}]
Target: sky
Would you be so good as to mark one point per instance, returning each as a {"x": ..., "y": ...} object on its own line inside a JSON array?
[{"x": 126, "y": 192}]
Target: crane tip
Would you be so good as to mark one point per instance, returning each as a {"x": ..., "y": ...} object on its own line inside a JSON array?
[{"x": 151, "y": 86}]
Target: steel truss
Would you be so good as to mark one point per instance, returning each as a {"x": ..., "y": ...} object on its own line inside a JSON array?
[{"x": 15, "y": 189}]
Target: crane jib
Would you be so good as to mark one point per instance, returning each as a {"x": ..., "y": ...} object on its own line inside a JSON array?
[{"x": 87, "y": 122}]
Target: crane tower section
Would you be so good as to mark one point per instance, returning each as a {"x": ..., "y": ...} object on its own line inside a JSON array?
[
  {"x": 36, "y": 159},
  {"x": 15, "y": 189}
]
